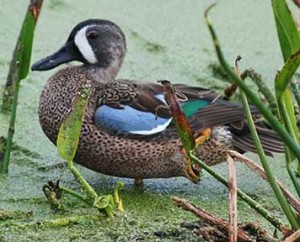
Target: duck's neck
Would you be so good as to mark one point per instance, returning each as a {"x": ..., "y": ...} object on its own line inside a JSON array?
[{"x": 104, "y": 74}]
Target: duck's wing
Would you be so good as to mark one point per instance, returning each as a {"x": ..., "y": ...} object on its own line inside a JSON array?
[
  {"x": 136, "y": 108},
  {"x": 128, "y": 108},
  {"x": 220, "y": 112},
  {"x": 232, "y": 115},
  {"x": 139, "y": 108}
]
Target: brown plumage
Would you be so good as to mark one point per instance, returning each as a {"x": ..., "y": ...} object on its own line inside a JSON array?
[{"x": 107, "y": 147}]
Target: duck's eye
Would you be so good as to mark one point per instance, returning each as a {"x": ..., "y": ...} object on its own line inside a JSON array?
[{"x": 93, "y": 35}]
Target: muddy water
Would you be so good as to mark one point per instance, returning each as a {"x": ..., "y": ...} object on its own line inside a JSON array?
[{"x": 166, "y": 40}]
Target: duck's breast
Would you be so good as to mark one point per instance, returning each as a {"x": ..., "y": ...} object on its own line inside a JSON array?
[{"x": 56, "y": 99}]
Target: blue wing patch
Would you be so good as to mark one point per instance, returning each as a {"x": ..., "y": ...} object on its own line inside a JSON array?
[{"x": 130, "y": 120}]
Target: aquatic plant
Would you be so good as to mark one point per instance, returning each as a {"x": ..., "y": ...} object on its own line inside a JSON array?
[
  {"x": 283, "y": 120},
  {"x": 67, "y": 142},
  {"x": 18, "y": 70}
]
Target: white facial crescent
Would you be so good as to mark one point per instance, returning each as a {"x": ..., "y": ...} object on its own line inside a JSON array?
[{"x": 84, "y": 46}]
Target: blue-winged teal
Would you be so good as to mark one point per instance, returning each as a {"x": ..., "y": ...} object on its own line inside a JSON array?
[{"x": 128, "y": 130}]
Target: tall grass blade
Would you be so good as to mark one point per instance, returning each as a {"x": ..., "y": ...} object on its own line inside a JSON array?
[
  {"x": 288, "y": 34},
  {"x": 289, "y": 38},
  {"x": 265, "y": 111},
  {"x": 20, "y": 63},
  {"x": 18, "y": 70}
]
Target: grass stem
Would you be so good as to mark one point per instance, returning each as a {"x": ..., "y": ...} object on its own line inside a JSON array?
[
  {"x": 265, "y": 111},
  {"x": 276, "y": 189}
]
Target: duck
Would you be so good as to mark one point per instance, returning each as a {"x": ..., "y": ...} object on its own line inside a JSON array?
[{"x": 128, "y": 129}]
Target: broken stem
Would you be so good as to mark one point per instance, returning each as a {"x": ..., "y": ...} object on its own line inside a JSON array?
[
  {"x": 252, "y": 203},
  {"x": 233, "y": 229},
  {"x": 293, "y": 237},
  {"x": 221, "y": 224},
  {"x": 260, "y": 171}
]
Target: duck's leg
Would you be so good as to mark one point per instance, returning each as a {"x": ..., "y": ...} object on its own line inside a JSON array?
[
  {"x": 138, "y": 181},
  {"x": 203, "y": 136}
]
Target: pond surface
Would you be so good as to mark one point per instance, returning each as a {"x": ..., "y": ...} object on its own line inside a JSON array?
[{"x": 165, "y": 40}]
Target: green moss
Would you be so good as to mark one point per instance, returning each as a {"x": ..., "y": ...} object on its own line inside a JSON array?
[
  {"x": 148, "y": 45},
  {"x": 57, "y": 4},
  {"x": 164, "y": 40},
  {"x": 154, "y": 47}
]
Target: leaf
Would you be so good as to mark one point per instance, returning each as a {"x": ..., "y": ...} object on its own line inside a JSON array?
[
  {"x": 283, "y": 93},
  {"x": 289, "y": 106},
  {"x": 18, "y": 69},
  {"x": 117, "y": 199},
  {"x": 182, "y": 124},
  {"x": 284, "y": 77},
  {"x": 288, "y": 34},
  {"x": 19, "y": 65},
  {"x": 68, "y": 136},
  {"x": 105, "y": 203},
  {"x": 289, "y": 39},
  {"x": 24, "y": 46}
]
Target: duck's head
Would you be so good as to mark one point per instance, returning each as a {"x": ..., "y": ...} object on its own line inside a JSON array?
[{"x": 94, "y": 42}]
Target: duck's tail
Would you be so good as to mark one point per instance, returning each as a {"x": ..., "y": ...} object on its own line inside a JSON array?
[{"x": 243, "y": 141}]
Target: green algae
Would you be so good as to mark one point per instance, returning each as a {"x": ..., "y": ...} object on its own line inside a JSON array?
[
  {"x": 57, "y": 5},
  {"x": 152, "y": 47},
  {"x": 171, "y": 42}
]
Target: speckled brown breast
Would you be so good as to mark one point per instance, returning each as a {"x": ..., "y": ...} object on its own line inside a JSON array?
[{"x": 114, "y": 155}]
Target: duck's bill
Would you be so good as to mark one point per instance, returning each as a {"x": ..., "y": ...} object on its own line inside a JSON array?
[{"x": 63, "y": 55}]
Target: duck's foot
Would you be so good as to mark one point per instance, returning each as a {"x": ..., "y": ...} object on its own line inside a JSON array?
[
  {"x": 138, "y": 181},
  {"x": 104, "y": 203},
  {"x": 53, "y": 193},
  {"x": 204, "y": 136}
]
